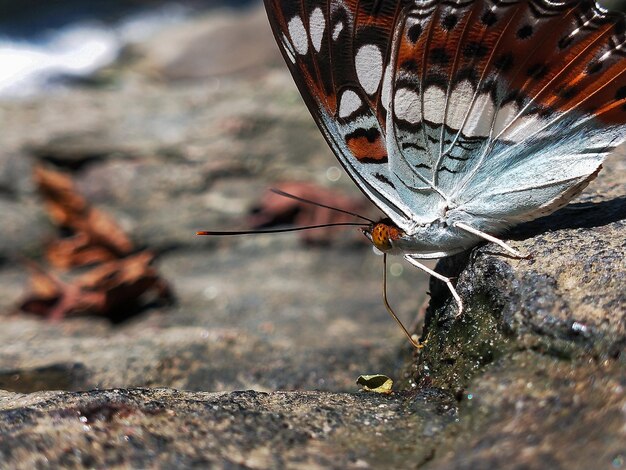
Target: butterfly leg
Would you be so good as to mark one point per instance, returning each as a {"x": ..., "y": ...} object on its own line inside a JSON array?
[
  {"x": 436, "y": 275},
  {"x": 490, "y": 238},
  {"x": 414, "y": 340}
]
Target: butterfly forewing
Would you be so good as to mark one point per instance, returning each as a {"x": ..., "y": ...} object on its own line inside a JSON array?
[
  {"x": 338, "y": 52},
  {"x": 501, "y": 109},
  {"x": 555, "y": 121}
]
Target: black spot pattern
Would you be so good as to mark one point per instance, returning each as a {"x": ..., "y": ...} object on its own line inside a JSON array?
[
  {"x": 445, "y": 168},
  {"x": 504, "y": 62},
  {"x": 525, "y": 32},
  {"x": 567, "y": 92},
  {"x": 475, "y": 49},
  {"x": 466, "y": 73},
  {"x": 515, "y": 96},
  {"x": 537, "y": 71},
  {"x": 490, "y": 86},
  {"x": 594, "y": 67},
  {"x": 621, "y": 93},
  {"x": 545, "y": 112},
  {"x": 372, "y": 7},
  {"x": 414, "y": 32},
  {"x": 410, "y": 66},
  {"x": 619, "y": 29},
  {"x": 411, "y": 145},
  {"x": 565, "y": 42},
  {"x": 489, "y": 18},
  {"x": 384, "y": 179},
  {"x": 449, "y": 22},
  {"x": 438, "y": 55},
  {"x": 371, "y": 134}
]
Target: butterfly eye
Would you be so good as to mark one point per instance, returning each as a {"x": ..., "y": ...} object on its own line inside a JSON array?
[{"x": 380, "y": 237}]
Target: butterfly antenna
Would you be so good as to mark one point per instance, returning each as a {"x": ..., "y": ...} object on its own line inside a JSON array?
[
  {"x": 279, "y": 230},
  {"x": 412, "y": 338},
  {"x": 318, "y": 204}
]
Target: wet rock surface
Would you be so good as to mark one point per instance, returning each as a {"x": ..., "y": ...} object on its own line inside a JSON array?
[{"x": 531, "y": 376}]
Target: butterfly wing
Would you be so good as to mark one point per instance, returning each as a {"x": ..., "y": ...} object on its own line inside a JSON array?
[
  {"x": 337, "y": 51},
  {"x": 570, "y": 113},
  {"x": 507, "y": 108},
  {"x": 501, "y": 109}
]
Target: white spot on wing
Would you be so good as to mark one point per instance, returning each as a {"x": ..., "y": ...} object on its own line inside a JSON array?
[
  {"x": 505, "y": 115},
  {"x": 480, "y": 117},
  {"x": 434, "y": 104},
  {"x": 337, "y": 30},
  {"x": 350, "y": 102},
  {"x": 407, "y": 106},
  {"x": 522, "y": 128},
  {"x": 369, "y": 67},
  {"x": 317, "y": 25},
  {"x": 386, "y": 92},
  {"x": 458, "y": 104},
  {"x": 298, "y": 35}
]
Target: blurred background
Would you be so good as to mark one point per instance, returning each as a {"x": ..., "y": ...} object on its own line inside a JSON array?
[
  {"x": 44, "y": 43},
  {"x": 125, "y": 127}
]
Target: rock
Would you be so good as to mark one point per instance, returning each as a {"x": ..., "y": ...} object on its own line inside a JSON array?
[
  {"x": 241, "y": 135},
  {"x": 532, "y": 410},
  {"x": 15, "y": 178},
  {"x": 537, "y": 359},
  {"x": 566, "y": 299},
  {"x": 73, "y": 151},
  {"x": 25, "y": 229},
  {"x": 191, "y": 358},
  {"x": 142, "y": 428}
]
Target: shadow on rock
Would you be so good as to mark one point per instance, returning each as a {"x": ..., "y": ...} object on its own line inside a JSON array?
[{"x": 574, "y": 216}]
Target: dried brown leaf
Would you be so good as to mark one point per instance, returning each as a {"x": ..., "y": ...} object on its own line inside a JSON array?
[
  {"x": 104, "y": 230},
  {"x": 96, "y": 236},
  {"x": 113, "y": 289},
  {"x": 77, "y": 251},
  {"x": 60, "y": 194}
]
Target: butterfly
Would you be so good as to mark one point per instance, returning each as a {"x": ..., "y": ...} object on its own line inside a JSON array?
[{"x": 459, "y": 119}]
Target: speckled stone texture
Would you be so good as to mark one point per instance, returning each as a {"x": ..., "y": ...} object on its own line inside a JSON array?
[{"x": 161, "y": 428}]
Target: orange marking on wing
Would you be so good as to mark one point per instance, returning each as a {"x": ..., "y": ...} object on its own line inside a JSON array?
[
  {"x": 567, "y": 68},
  {"x": 595, "y": 94},
  {"x": 331, "y": 104},
  {"x": 364, "y": 149},
  {"x": 407, "y": 51},
  {"x": 613, "y": 113}
]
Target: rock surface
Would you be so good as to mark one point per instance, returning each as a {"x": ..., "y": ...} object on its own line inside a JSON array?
[
  {"x": 538, "y": 361},
  {"x": 164, "y": 428},
  {"x": 531, "y": 376}
]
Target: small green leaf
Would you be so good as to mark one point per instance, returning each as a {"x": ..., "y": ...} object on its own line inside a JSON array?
[{"x": 377, "y": 383}]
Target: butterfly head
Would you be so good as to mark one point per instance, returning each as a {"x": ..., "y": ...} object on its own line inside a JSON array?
[{"x": 383, "y": 234}]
